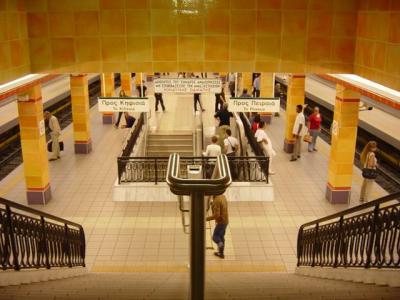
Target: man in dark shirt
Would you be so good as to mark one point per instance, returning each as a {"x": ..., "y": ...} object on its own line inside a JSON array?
[
  {"x": 129, "y": 120},
  {"x": 159, "y": 99},
  {"x": 139, "y": 89},
  {"x": 196, "y": 98},
  {"x": 223, "y": 115}
]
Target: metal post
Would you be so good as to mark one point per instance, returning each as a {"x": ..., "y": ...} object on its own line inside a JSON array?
[
  {"x": 44, "y": 242},
  {"x": 197, "y": 246},
  {"x": 67, "y": 246},
  {"x": 372, "y": 238},
  {"x": 141, "y": 84},
  {"x": 314, "y": 253},
  {"x": 339, "y": 243},
  {"x": 155, "y": 171},
  {"x": 11, "y": 236}
]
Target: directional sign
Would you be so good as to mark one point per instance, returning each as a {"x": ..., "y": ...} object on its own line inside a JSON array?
[
  {"x": 128, "y": 104},
  {"x": 187, "y": 85},
  {"x": 254, "y": 105}
]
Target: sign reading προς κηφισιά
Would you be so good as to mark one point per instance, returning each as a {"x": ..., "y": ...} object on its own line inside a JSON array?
[
  {"x": 271, "y": 105},
  {"x": 123, "y": 104}
]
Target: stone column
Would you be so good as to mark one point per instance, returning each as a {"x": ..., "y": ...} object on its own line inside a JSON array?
[
  {"x": 126, "y": 83},
  {"x": 247, "y": 82},
  {"x": 80, "y": 113},
  {"x": 295, "y": 96},
  {"x": 267, "y": 91},
  {"x": 107, "y": 90},
  {"x": 33, "y": 145},
  {"x": 343, "y": 144}
]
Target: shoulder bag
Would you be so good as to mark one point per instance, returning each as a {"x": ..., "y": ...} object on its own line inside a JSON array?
[{"x": 369, "y": 173}]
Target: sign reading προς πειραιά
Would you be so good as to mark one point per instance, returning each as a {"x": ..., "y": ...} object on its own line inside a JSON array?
[
  {"x": 271, "y": 105},
  {"x": 127, "y": 104}
]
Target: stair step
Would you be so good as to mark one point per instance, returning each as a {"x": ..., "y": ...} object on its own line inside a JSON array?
[
  {"x": 169, "y": 137},
  {"x": 170, "y": 142},
  {"x": 170, "y": 148}
]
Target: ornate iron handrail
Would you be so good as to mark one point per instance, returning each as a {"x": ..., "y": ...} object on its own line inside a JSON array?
[
  {"x": 34, "y": 239},
  {"x": 364, "y": 236},
  {"x": 154, "y": 169}
]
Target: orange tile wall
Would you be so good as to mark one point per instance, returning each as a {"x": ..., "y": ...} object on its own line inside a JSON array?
[{"x": 14, "y": 47}]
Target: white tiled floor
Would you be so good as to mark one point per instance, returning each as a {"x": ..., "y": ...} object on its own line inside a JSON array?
[{"x": 146, "y": 235}]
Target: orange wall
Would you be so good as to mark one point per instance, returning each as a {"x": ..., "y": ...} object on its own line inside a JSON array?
[
  {"x": 14, "y": 48},
  {"x": 377, "y": 55}
]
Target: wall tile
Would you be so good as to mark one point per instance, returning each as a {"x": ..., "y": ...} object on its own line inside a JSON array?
[
  {"x": 112, "y": 4},
  {"x": 240, "y": 4},
  {"x": 137, "y": 4},
  {"x": 40, "y": 51},
  {"x": 5, "y": 58},
  {"x": 86, "y": 23},
  {"x": 164, "y": 4},
  {"x": 190, "y": 24},
  {"x": 343, "y": 49},
  {"x": 393, "y": 59},
  {"x": 243, "y": 22},
  {"x": 293, "y": 48},
  {"x": 60, "y": 24},
  {"x": 321, "y": 5},
  {"x": 88, "y": 49},
  {"x": 217, "y": 47},
  {"x": 320, "y": 23},
  {"x": 242, "y": 48},
  {"x": 139, "y": 48},
  {"x": 269, "y": 4},
  {"x": 163, "y": 22},
  {"x": 137, "y": 22},
  {"x": 295, "y": 4},
  {"x": 379, "y": 55},
  {"x": 394, "y": 31},
  {"x": 268, "y": 48},
  {"x": 268, "y": 22},
  {"x": 59, "y": 6},
  {"x": 113, "y": 49},
  {"x": 35, "y": 5},
  {"x": 38, "y": 26},
  {"x": 112, "y": 22},
  {"x": 294, "y": 22},
  {"x": 345, "y": 24},
  {"x": 190, "y": 48},
  {"x": 62, "y": 51},
  {"x": 164, "y": 48},
  {"x": 216, "y": 21},
  {"x": 217, "y": 4},
  {"x": 318, "y": 49}
]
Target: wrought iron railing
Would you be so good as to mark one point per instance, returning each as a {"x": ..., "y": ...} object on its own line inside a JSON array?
[
  {"x": 364, "y": 236},
  {"x": 154, "y": 169},
  {"x": 30, "y": 238}
]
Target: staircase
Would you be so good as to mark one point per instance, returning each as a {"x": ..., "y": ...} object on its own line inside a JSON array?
[
  {"x": 267, "y": 286},
  {"x": 162, "y": 144}
]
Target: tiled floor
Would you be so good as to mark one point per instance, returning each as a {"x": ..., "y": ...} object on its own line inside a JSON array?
[{"x": 148, "y": 236}]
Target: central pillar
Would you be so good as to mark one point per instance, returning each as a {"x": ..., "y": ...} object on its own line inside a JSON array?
[
  {"x": 80, "y": 113},
  {"x": 107, "y": 90},
  {"x": 33, "y": 145},
  {"x": 343, "y": 144},
  {"x": 295, "y": 96},
  {"x": 267, "y": 91},
  {"x": 126, "y": 83}
]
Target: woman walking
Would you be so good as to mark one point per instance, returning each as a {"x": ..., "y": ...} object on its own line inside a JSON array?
[
  {"x": 369, "y": 163},
  {"x": 314, "y": 127}
]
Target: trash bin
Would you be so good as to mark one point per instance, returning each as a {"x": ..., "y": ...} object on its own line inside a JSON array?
[{"x": 194, "y": 172}]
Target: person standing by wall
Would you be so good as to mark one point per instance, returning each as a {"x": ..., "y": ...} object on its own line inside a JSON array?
[
  {"x": 159, "y": 100},
  {"x": 231, "y": 84},
  {"x": 314, "y": 127},
  {"x": 256, "y": 86},
  {"x": 298, "y": 132},
  {"x": 368, "y": 161},
  {"x": 55, "y": 134},
  {"x": 219, "y": 209}
]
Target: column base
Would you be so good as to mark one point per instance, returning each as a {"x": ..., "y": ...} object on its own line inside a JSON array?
[
  {"x": 339, "y": 195},
  {"x": 288, "y": 146},
  {"x": 108, "y": 118},
  {"x": 83, "y": 147},
  {"x": 39, "y": 196}
]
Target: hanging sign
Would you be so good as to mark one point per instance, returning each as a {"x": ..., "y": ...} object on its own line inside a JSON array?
[
  {"x": 118, "y": 104},
  {"x": 187, "y": 85},
  {"x": 271, "y": 105}
]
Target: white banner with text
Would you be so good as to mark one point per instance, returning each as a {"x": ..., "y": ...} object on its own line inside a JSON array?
[
  {"x": 128, "y": 104},
  {"x": 271, "y": 105},
  {"x": 187, "y": 85}
]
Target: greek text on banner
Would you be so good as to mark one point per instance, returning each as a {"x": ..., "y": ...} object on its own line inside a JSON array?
[
  {"x": 123, "y": 104},
  {"x": 254, "y": 105},
  {"x": 187, "y": 85}
]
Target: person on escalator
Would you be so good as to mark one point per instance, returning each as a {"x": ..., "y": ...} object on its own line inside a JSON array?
[
  {"x": 266, "y": 145},
  {"x": 219, "y": 209}
]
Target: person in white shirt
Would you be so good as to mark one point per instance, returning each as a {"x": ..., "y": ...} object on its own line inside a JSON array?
[
  {"x": 232, "y": 146},
  {"x": 256, "y": 86},
  {"x": 212, "y": 150},
  {"x": 55, "y": 134},
  {"x": 266, "y": 144},
  {"x": 298, "y": 131}
]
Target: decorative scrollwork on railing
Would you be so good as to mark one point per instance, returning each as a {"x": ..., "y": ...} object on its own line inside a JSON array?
[
  {"x": 364, "y": 236},
  {"x": 38, "y": 240},
  {"x": 154, "y": 169}
]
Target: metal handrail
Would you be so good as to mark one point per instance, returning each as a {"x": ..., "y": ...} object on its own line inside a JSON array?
[
  {"x": 363, "y": 236},
  {"x": 30, "y": 238}
]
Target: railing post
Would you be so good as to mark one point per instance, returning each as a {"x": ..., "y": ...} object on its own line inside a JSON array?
[
  {"x": 67, "y": 246},
  {"x": 315, "y": 245},
  {"x": 82, "y": 246},
  {"x": 155, "y": 171},
  {"x": 267, "y": 170},
  {"x": 43, "y": 242},
  {"x": 299, "y": 245},
  {"x": 11, "y": 236},
  {"x": 339, "y": 243},
  {"x": 372, "y": 238}
]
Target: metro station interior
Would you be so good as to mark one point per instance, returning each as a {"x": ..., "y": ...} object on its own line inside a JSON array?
[{"x": 200, "y": 149}]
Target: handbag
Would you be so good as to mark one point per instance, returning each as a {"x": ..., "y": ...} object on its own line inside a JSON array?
[
  {"x": 50, "y": 146},
  {"x": 369, "y": 173},
  {"x": 307, "y": 138},
  {"x": 233, "y": 148}
]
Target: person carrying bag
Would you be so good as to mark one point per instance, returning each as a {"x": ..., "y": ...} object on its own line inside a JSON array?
[{"x": 369, "y": 171}]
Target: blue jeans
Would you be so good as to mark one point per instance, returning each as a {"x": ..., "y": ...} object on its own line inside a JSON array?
[
  {"x": 314, "y": 134},
  {"x": 219, "y": 236}
]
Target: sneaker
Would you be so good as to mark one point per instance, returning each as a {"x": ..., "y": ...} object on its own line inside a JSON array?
[
  {"x": 220, "y": 255},
  {"x": 293, "y": 159}
]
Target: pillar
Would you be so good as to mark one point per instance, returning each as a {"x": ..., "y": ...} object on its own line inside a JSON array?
[
  {"x": 247, "y": 82},
  {"x": 343, "y": 144},
  {"x": 126, "y": 83},
  {"x": 295, "y": 96},
  {"x": 33, "y": 145},
  {"x": 267, "y": 91},
  {"x": 107, "y": 90},
  {"x": 80, "y": 113}
]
